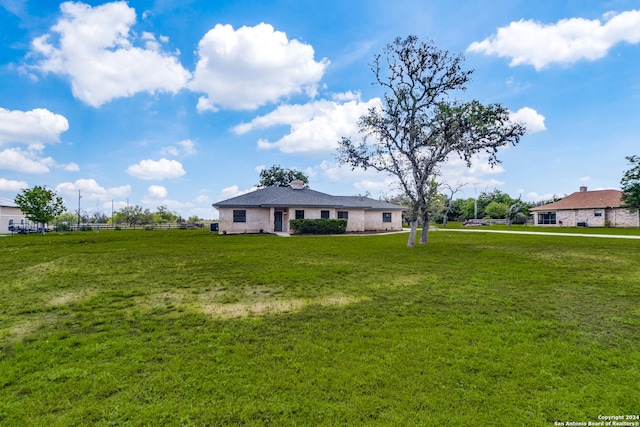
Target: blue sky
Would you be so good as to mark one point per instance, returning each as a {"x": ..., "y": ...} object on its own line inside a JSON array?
[{"x": 180, "y": 104}]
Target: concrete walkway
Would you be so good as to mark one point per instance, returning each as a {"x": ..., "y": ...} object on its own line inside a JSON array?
[
  {"x": 481, "y": 230},
  {"x": 539, "y": 233}
]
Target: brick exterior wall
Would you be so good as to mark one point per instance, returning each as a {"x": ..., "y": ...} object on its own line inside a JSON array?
[
  {"x": 263, "y": 219},
  {"x": 617, "y": 217},
  {"x": 373, "y": 221}
]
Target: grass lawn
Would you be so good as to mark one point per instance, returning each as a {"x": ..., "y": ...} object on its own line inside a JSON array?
[{"x": 189, "y": 328}]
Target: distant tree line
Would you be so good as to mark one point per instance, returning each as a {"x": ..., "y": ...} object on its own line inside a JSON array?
[{"x": 488, "y": 205}]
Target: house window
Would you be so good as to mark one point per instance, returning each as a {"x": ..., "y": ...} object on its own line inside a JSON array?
[
  {"x": 299, "y": 214},
  {"x": 240, "y": 215},
  {"x": 386, "y": 216},
  {"x": 324, "y": 214},
  {"x": 343, "y": 214},
  {"x": 597, "y": 212},
  {"x": 546, "y": 218}
]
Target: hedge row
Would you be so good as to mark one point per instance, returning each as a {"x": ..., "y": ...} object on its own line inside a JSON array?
[{"x": 318, "y": 226}]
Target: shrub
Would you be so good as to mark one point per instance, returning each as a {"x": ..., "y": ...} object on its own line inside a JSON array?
[
  {"x": 62, "y": 227},
  {"x": 318, "y": 226}
]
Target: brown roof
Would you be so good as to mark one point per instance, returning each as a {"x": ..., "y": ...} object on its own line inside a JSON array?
[{"x": 586, "y": 200}]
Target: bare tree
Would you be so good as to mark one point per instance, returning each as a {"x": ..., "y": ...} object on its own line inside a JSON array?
[
  {"x": 416, "y": 128},
  {"x": 514, "y": 209},
  {"x": 449, "y": 207}
]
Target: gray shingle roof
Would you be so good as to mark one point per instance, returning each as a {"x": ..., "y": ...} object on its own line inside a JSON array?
[{"x": 289, "y": 197}]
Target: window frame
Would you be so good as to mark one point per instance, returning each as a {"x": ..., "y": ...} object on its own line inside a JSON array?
[
  {"x": 299, "y": 214},
  {"x": 387, "y": 217},
  {"x": 325, "y": 214},
  {"x": 240, "y": 215},
  {"x": 547, "y": 218},
  {"x": 343, "y": 215}
]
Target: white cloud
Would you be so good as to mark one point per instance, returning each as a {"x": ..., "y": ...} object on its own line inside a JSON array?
[
  {"x": 157, "y": 192},
  {"x": 315, "y": 127},
  {"x": 388, "y": 186},
  {"x": 480, "y": 175},
  {"x": 530, "y": 118},
  {"x": 17, "y": 7},
  {"x": 71, "y": 167},
  {"x": 252, "y": 66},
  {"x": 12, "y": 185},
  {"x": 31, "y": 161},
  {"x": 26, "y": 161},
  {"x": 234, "y": 191},
  {"x": 93, "y": 46},
  {"x": 172, "y": 205},
  {"x": 535, "y": 197},
  {"x": 170, "y": 151},
  {"x": 565, "y": 42},
  {"x": 357, "y": 180},
  {"x": 346, "y": 96},
  {"x": 185, "y": 147},
  {"x": 91, "y": 190},
  {"x": 37, "y": 126},
  {"x": 162, "y": 169},
  {"x": 188, "y": 147}
]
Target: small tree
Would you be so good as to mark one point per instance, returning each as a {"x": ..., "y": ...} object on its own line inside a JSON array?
[
  {"x": 417, "y": 127},
  {"x": 496, "y": 210},
  {"x": 39, "y": 204},
  {"x": 132, "y": 215},
  {"x": 631, "y": 184},
  {"x": 276, "y": 176},
  {"x": 64, "y": 221},
  {"x": 164, "y": 215}
]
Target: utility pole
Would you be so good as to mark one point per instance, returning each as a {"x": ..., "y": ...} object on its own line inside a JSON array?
[
  {"x": 475, "y": 203},
  {"x": 79, "y": 197}
]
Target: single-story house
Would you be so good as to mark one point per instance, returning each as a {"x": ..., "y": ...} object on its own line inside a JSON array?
[
  {"x": 10, "y": 216},
  {"x": 269, "y": 210},
  {"x": 588, "y": 209}
]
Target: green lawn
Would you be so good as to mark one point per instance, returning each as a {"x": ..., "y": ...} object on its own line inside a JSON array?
[{"x": 189, "y": 328}]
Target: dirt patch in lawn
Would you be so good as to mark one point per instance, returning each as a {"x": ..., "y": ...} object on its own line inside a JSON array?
[{"x": 267, "y": 306}]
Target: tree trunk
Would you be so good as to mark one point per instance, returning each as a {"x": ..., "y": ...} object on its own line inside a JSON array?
[
  {"x": 412, "y": 233},
  {"x": 424, "y": 235}
]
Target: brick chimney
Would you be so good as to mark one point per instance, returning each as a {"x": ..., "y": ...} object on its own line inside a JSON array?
[
  {"x": 297, "y": 184},
  {"x": 583, "y": 189}
]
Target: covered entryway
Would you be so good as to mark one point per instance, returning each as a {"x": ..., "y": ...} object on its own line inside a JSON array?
[{"x": 277, "y": 221}]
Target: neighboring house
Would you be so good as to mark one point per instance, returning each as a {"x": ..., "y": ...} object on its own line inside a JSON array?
[
  {"x": 11, "y": 216},
  {"x": 269, "y": 210},
  {"x": 588, "y": 209}
]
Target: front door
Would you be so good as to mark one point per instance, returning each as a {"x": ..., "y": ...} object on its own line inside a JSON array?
[{"x": 277, "y": 221}]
